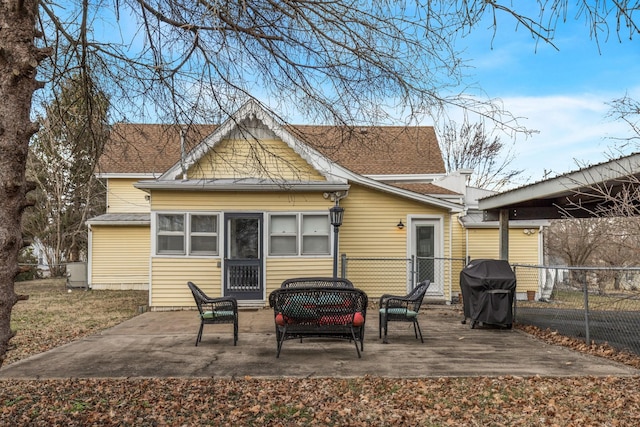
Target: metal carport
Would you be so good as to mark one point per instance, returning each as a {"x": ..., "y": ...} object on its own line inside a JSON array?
[{"x": 587, "y": 192}]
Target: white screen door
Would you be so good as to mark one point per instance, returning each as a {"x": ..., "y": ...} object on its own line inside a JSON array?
[{"x": 426, "y": 248}]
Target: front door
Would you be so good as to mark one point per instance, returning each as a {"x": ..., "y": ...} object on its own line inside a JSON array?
[
  {"x": 243, "y": 256},
  {"x": 427, "y": 252}
]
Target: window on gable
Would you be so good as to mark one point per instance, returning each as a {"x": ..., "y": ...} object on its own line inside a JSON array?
[{"x": 299, "y": 234}]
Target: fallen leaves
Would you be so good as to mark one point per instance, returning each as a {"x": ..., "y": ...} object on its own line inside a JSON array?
[
  {"x": 322, "y": 401},
  {"x": 600, "y": 350}
]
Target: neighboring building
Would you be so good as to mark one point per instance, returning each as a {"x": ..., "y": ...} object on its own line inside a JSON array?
[{"x": 240, "y": 207}]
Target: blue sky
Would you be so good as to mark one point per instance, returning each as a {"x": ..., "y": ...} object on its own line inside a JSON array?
[{"x": 562, "y": 94}]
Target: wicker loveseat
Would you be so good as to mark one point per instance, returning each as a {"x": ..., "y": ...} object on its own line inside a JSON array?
[{"x": 318, "y": 311}]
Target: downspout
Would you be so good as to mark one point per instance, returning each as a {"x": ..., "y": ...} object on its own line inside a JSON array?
[
  {"x": 89, "y": 255},
  {"x": 450, "y": 257},
  {"x": 466, "y": 245}
]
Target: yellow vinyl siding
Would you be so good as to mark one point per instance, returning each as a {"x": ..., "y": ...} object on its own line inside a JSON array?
[
  {"x": 459, "y": 241},
  {"x": 123, "y": 197},
  {"x": 120, "y": 257},
  {"x": 170, "y": 277},
  {"x": 459, "y": 252},
  {"x": 239, "y": 201},
  {"x": 271, "y": 159},
  {"x": 484, "y": 243},
  {"x": 280, "y": 269},
  {"x": 369, "y": 230},
  {"x": 523, "y": 249},
  {"x": 169, "y": 274},
  {"x": 370, "y": 218}
]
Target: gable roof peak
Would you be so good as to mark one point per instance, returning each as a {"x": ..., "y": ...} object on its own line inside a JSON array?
[{"x": 252, "y": 122}]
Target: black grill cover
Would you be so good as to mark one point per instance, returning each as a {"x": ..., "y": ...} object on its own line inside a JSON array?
[{"x": 488, "y": 287}]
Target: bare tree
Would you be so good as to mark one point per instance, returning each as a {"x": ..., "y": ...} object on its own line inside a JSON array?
[
  {"x": 338, "y": 62},
  {"x": 468, "y": 146},
  {"x": 575, "y": 240},
  {"x": 595, "y": 242},
  {"x": 627, "y": 109},
  {"x": 620, "y": 250},
  {"x": 62, "y": 161}
]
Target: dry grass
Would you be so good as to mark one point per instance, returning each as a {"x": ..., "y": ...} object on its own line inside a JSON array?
[{"x": 52, "y": 316}]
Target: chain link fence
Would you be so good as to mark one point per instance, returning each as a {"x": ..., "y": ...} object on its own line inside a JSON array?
[
  {"x": 600, "y": 305},
  {"x": 396, "y": 275}
]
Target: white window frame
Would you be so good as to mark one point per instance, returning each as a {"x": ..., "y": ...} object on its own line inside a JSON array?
[
  {"x": 303, "y": 234},
  {"x": 299, "y": 234},
  {"x": 215, "y": 234},
  {"x": 293, "y": 234},
  {"x": 186, "y": 235},
  {"x": 158, "y": 233}
]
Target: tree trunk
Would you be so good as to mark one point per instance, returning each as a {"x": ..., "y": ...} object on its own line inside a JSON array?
[{"x": 18, "y": 61}]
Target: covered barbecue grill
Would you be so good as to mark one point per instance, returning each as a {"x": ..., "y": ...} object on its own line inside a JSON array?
[{"x": 488, "y": 289}]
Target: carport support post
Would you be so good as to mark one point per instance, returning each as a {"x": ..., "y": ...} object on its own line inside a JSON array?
[{"x": 504, "y": 234}]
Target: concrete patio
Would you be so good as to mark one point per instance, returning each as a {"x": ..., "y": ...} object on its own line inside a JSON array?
[{"x": 161, "y": 344}]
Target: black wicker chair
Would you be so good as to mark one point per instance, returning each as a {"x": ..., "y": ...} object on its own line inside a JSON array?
[
  {"x": 215, "y": 311},
  {"x": 402, "y": 309}
]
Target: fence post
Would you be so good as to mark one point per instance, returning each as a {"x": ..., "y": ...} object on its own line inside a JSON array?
[
  {"x": 414, "y": 273},
  {"x": 586, "y": 313},
  {"x": 343, "y": 266}
]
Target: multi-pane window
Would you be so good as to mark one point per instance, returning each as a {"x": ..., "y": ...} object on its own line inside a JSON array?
[
  {"x": 171, "y": 234},
  {"x": 201, "y": 238},
  {"x": 299, "y": 234}
]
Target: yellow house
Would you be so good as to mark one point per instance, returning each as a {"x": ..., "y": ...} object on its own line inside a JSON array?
[{"x": 240, "y": 207}]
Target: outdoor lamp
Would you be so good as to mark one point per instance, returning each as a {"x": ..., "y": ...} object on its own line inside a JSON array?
[
  {"x": 335, "y": 215},
  {"x": 400, "y": 225}
]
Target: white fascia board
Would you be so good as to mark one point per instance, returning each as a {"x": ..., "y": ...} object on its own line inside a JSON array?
[
  {"x": 212, "y": 185},
  {"x": 128, "y": 175},
  {"x": 421, "y": 178},
  {"x": 141, "y": 222},
  {"x": 567, "y": 183},
  {"x": 515, "y": 224}
]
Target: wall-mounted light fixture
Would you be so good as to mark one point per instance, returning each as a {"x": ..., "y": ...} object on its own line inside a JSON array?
[
  {"x": 528, "y": 231},
  {"x": 400, "y": 225}
]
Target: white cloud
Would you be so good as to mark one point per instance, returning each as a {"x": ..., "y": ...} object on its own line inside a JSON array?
[{"x": 573, "y": 131}]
